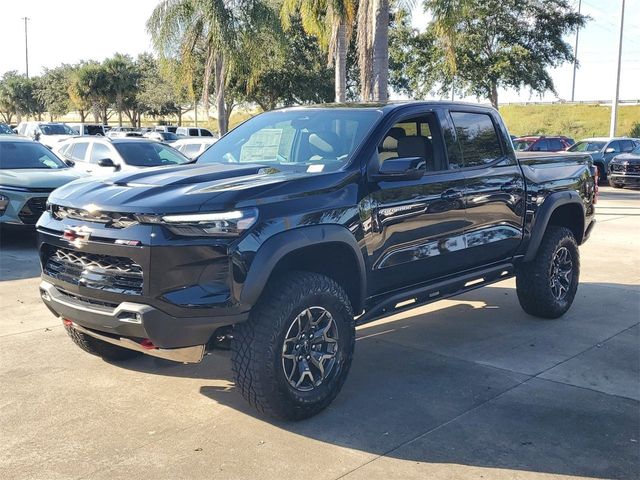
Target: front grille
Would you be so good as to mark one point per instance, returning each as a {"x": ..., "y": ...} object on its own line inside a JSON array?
[
  {"x": 633, "y": 168},
  {"x": 31, "y": 211},
  {"x": 626, "y": 167},
  {"x": 100, "y": 272},
  {"x": 109, "y": 219}
]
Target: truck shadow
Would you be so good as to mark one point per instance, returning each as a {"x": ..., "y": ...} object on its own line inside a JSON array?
[
  {"x": 18, "y": 252},
  {"x": 462, "y": 372}
]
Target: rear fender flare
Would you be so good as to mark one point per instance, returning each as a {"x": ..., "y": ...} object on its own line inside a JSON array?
[{"x": 543, "y": 215}]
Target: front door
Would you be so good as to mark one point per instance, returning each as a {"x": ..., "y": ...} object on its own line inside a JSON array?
[{"x": 414, "y": 229}]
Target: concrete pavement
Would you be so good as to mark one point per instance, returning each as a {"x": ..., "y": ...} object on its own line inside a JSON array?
[{"x": 469, "y": 387}]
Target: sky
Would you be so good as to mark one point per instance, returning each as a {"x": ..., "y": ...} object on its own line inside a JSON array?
[{"x": 67, "y": 31}]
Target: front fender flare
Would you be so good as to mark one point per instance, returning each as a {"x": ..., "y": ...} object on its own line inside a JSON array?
[
  {"x": 543, "y": 215},
  {"x": 275, "y": 248}
]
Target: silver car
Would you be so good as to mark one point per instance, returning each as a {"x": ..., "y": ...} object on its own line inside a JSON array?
[{"x": 29, "y": 172}]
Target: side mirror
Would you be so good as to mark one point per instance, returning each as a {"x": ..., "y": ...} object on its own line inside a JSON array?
[
  {"x": 401, "y": 169},
  {"x": 610, "y": 150},
  {"x": 69, "y": 162},
  {"x": 107, "y": 162},
  {"x": 36, "y": 136}
]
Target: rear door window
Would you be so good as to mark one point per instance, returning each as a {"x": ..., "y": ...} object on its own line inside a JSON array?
[
  {"x": 78, "y": 151},
  {"x": 555, "y": 144},
  {"x": 477, "y": 137},
  {"x": 205, "y": 133}
]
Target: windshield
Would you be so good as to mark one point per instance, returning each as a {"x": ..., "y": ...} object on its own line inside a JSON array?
[
  {"x": 20, "y": 155},
  {"x": 311, "y": 140},
  {"x": 587, "y": 146},
  {"x": 636, "y": 150},
  {"x": 521, "y": 145},
  {"x": 4, "y": 128},
  {"x": 56, "y": 129},
  {"x": 148, "y": 154}
]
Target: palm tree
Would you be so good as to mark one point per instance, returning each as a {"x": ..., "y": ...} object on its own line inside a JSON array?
[
  {"x": 373, "y": 49},
  {"x": 331, "y": 22},
  {"x": 179, "y": 28}
]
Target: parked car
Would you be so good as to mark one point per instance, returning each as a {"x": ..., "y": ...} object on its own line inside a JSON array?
[
  {"x": 47, "y": 133},
  {"x": 603, "y": 149},
  {"x": 29, "y": 172},
  {"x": 192, "y": 147},
  {"x": 6, "y": 129},
  {"x": 541, "y": 144},
  {"x": 193, "y": 132},
  {"x": 88, "y": 129},
  {"x": 165, "y": 137},
  {"x": 123, "y": 132},
  {"x": 103, "y": 156},
  {"x": 300, "y": 219},
  {"x": 166, "y": 128},
  {"x": 624, "y": 169}
]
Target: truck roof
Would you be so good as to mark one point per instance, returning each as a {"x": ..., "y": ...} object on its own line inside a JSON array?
[{"x": 390, "y": 106}]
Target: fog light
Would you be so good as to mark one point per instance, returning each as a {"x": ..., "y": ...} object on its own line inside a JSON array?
[
  {"x": 45, "y": 295},
  {"x": 130, "y": 317}
]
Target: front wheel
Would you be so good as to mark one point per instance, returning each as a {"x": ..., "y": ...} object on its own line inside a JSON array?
[
  {"x": 292, "y": 356},
  {"x": 547, "y": 285}
]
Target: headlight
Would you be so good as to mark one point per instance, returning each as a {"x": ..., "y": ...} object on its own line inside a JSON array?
[
  {"x": 4, "y": 203},
  {"x": 215, "y": 224}
]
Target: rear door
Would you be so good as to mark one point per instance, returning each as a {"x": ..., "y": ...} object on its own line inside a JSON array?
[{"x": 495, "y": 188}]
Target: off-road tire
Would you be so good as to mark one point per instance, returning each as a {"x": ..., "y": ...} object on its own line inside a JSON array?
[
  {"x": 533, "y": 278},
  {"x": 107, "y": 351},
  {"x": 257, "y": 346},
  {"x": 614, "y": 184}
]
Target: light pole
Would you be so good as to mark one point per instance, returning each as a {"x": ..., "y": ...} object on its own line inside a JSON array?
[
  {"x": 26, "y": 46},
  {"x": 614, "y": 105},
  {"x": 575, "y": 57}
]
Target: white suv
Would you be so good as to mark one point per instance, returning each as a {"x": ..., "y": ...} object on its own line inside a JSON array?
[
  {"x": 47, "y": 133},
  {"x": 193, "y": 132},
  {"x": 104, "y": 156}
]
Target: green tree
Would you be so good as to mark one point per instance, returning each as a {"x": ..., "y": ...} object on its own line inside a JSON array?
[
  {"x": 122, "y": 76},
  {"x": 187, "y": 30},
  {"x": 331, "y": 22},
  {"x": 16, "y": 96},
  {"x": 54, "y": 91},
  {"x": 281, "y": 71},
  {"x": 491, "y": 44},
  {"x": 90, "y": 90},
  {"x": 414, "y": 62}
]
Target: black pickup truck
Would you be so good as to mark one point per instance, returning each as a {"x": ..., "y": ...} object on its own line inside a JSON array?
[{"x": 300, "y": 224}]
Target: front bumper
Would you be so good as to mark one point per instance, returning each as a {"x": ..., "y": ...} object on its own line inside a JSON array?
[
  {"x": 24, "y": 207},
  {"x": 172, "y": 292},
  {"x": 625, "y": 179}
]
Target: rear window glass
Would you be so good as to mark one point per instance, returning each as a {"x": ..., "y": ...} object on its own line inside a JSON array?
[{"x": 477, "y": 137}]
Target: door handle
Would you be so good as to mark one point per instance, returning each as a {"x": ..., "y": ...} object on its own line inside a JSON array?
[{"x": 451, "y": 195}]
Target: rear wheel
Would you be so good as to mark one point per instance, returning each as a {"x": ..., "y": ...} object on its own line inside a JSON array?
[
  {"x": 547, "y": 285},
  {"x": 292, "y": 356},
  {"x": 105, "y": 350}
]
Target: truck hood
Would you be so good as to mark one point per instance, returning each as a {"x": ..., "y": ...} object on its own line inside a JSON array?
[
  {"x": 627, "y": 158},
  {"x": 185, "y": 188},
  {"x": 38, "y": 177}
]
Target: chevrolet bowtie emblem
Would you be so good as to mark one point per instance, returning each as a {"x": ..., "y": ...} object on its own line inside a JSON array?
[{"x": 77, "y": 235}]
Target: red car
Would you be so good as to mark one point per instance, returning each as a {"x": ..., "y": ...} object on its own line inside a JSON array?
[{"x": 541, "y": 144}]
